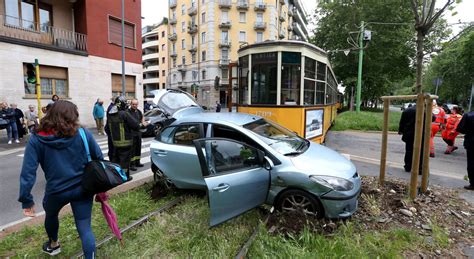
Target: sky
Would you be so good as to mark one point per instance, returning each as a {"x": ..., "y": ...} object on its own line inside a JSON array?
[{"x": 153, "y": 12}]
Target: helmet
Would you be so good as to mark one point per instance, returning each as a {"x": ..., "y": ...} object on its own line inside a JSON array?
[{"x": 121, "y": 102}]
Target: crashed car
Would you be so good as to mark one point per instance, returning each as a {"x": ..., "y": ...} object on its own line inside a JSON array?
[
  {"x": 244, "y": 160},
  {"x": 157, "y": 120}
]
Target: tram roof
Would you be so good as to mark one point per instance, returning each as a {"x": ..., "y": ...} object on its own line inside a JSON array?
[{"x": 297, "y": 43}]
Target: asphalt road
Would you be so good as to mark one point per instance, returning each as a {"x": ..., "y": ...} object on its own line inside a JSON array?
[
  {"x": 11, "y": 159},
  {"x": 364, "y": 151}
]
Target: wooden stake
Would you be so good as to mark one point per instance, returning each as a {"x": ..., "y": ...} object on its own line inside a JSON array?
[
  {"x": 383, "y": 156},
  {"x": 426, "y": 144},
  {"x": 415, "y": 164}
]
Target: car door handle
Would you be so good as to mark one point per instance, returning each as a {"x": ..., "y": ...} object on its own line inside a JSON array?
[
  {"x": 160, "y": 152},
  {"x": 221, "y": 187}
]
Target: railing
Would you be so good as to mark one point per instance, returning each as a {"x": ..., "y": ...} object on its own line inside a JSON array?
[
  {"x": 173, "y": 54},
  {"x": 24, "y": 30},
  {"x": 242, "y": 5},
  {"x": 260, "y": 6},
  {"x": 192, "y": 28},
  {"x": 172, "y": 21},
  {"x": 282, "y": 17},
  {"x": 192, "y": 48},
  {"x": 173, "y": 3},
  {"x": 225, "y": 24},
  {"x": 225, "y": 3},
  {"x": 172, "y": 36},
  {"x": 192, "y": 10},
  {"x": 260, "y": 25},
  {"x": 224, "y": 61},
  {"x": 224, "y": 44}
]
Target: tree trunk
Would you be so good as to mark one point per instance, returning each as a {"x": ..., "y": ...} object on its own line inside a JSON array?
[{"x": 419, "y": 60}]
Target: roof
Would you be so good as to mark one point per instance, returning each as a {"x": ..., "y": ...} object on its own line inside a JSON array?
[{"x": 229, "y": 117}]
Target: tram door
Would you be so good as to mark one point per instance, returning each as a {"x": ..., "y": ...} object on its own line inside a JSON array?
[{"x": 223, "y": 98}]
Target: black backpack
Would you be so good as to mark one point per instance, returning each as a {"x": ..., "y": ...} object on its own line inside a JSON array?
[{"x": 100, "y": 175}]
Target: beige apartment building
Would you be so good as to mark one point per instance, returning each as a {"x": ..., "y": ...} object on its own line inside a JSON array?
[
  {"x": 204, "y": 36},
  {"x": 155, "y": 57}
]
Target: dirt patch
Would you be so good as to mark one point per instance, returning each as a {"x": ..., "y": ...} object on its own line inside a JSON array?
[{"x": 295, "y": 221}]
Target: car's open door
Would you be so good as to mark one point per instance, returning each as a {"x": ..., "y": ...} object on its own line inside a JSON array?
[{"x": 235, "y": 177}]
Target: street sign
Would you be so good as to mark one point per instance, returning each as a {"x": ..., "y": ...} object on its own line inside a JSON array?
[{"x": 437, "y": 81}]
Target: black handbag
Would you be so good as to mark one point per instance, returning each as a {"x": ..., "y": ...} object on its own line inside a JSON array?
[
  {"x": 100, "y": 175},
  {"x": 4, "y": 123}
]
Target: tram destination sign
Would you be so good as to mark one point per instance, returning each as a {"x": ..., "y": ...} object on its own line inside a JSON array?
[{"x": 268, "y": 57}]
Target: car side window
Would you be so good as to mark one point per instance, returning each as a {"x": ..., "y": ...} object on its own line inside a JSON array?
[
  {"x": 225, "y": 156},
  {"x": 166, "y": 135},
  {"x": 185, "y": 134}
]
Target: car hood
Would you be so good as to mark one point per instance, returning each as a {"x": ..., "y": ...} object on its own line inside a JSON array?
[
  {"x": 175, "y": 103},
  {"x": 320, "y": 160}
]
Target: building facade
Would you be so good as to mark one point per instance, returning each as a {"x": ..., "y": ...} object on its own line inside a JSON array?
[
  {"x": 155, "y": 57},
  {"x": 204, "y": 36},
  {"x": 78, "y": 46}
]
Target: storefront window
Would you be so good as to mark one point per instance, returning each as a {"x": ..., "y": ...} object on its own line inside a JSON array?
[
  {"x": 290, "y": 78},
  {"x": 243, "y": 81},
  {"x": 264, "y": 77}
]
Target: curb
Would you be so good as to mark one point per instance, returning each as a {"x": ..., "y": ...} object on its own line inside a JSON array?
[{"x": 138, "y": 180}]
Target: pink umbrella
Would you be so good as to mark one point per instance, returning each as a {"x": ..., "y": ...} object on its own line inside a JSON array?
[{"x": 109, "y": 214}]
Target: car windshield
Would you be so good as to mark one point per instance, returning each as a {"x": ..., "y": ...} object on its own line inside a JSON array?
[
  {"x": 280, "y": 139},
  {"x": 173, "y": 101}
]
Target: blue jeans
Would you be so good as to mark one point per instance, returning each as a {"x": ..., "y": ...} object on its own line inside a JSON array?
[
  {"x": 81, "y": 205},
  {"x": 12, "y": 127}
]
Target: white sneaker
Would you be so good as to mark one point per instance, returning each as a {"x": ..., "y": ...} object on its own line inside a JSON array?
[
  {"x": 17, "y": 141},
  {"x": 9, "y": 142}
]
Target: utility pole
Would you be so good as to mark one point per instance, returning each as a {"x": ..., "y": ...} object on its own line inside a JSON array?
[
  {"x": 38, "y": 87},
  {"x": 359, "y": 74},
  {"x": 123, "y": 48}
]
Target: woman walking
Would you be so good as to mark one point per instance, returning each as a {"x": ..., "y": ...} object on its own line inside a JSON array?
[
  {"x": 57, "y": 146},
  {"x": 449, "y": 134}
]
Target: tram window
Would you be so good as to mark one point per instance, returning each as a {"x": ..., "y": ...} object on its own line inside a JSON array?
[
  {"x": 321, "y": 71},
  {"x": 309, "y": 68},
  {"x": 320, "y": 89},
  {"x": 309, "y": 88},
  {"x": 243, "y": 81},
  {"x": 264, "y": 77},
  {"x": 290, "y": 78}
]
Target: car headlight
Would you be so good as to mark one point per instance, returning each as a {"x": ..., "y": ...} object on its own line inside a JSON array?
[{"x": 335, "y": 183}]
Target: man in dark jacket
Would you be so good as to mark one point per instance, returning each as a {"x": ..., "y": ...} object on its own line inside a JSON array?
[
  {"x": 137, "y": 136},
  {"x": 8, "y": 114},
  {"x": 466, "y": 126},
  {"x": 121, "y": 124},
  {"x": 107, "y": 131}
]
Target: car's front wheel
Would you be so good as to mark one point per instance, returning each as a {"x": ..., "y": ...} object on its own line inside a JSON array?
[
  {"x": 297, "y": 200},
  {"x": 160, "y": 178}
]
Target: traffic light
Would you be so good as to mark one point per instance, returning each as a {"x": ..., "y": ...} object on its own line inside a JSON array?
[{"x": 30, "y": 73}]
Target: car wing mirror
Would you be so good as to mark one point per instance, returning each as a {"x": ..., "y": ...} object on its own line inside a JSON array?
[{"x": 268, "y": 163}]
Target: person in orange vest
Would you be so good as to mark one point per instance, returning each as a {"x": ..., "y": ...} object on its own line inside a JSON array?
[
  {"x": 449, "y": 134},
  {"x": 437, "y": 125}
]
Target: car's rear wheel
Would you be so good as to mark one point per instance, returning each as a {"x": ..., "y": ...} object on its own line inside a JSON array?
[{"x": 297, "y": 200}]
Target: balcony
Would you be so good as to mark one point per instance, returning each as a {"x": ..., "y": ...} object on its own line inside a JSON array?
[
  {"x": 282, "y": 2},
  {"x": 260, "y": 26},
  {"x": 192, "y": 48},
  {"x": 282, "y": 17},
  {"x": 181, "y": 68},
  {"x": 290, "y": 27},
  {"x": 224, "y": 44},
  {"x": 192, "y": 28},
  {"x": 225, "y": 25},
  {"x": 192, "y": 10},
  {"x": 224, "y": 62},
  {"x": 172, "y": 21},
  {"x": 173, "y": 37},
  {"x": 282, "y": 34},
  {"x": 173, "y": 3},
  {"x": 173, "y": 54},
  {"x": 48, "y": 37},
  {"x": 154, "y": 68},
  {"x": 225, "y": 4},
  {"x": 151, "y": 81},
  {"x": 260, "y": 7},
  {"x": 290, "y": 12},
  {"x": 150, "y": 56},
  {"x": 148, "y": 44},
  {"x": 242, "y": 5}
]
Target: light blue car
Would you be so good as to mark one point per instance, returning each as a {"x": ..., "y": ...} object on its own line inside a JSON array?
[{"x": 244, "y": 160}]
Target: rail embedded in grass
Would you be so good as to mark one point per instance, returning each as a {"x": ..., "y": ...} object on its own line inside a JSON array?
[{"x": 365, "y": 121}]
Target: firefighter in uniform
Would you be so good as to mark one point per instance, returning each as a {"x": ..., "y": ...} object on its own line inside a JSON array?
[
  {"x": 437, "y": 125},
  {"x": 136, "y": 134},
  {"x": 449, "y": 134},
  {"x": 121, "y": 125}
]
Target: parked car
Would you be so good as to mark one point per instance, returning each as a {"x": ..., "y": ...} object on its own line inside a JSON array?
[{"x": 244, "y": 160}]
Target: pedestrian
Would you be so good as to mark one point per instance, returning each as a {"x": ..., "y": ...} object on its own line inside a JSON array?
[
  {"x": 147, "y": 107},
  {"x": 8, "y": 114},
  {"x": 19, "y": 119},
  {"x": 466, "y": 126},
  {"x": 121, "y": 124},
  {"x": 98, "y": 114},
  {"x": 437, "y": 125},
  {"x": 137, "y": 136},
  {"x": 53, "y": 146},
  {"x": 31, "y": 118},
  {"x": 110, "y": 144},
  {"x": 218, "y": 107},
  {"x": 449, "y": 134},
  {"x": 54, "y": 98},
  {"x": 406, "y": 128}
]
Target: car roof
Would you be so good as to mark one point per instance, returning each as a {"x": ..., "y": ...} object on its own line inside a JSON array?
[{"x": 219, "y": 117}]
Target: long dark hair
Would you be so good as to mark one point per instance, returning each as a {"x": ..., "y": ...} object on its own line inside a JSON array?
[{"x": 62, "y": 119}]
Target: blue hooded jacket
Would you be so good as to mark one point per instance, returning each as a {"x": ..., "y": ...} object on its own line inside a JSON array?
[
  {"x": 62, "y": 160},
  {"x": 98, "y": 111}
]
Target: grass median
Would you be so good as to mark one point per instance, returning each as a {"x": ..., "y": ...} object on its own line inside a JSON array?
[
  {"x": 365, "y": 121},
  {"x": 183, "y": 231}
]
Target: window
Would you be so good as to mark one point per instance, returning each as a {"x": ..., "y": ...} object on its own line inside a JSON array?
[
  {"x": 224, "y": 36},
  {"x": 309, "y": 81},
  {"x": 224, "y": 16},
  {"x": 183, "y": 60},
  {"x": 174, "y": 48},
  {"x": 162, "y": 73},
  {"x": 183, "y": 26},
  {"x": 243, "y": 83},
  {"x": 162, "y": 34},
  {"x": 183, "y": 44},
  {"x": 115, "y": 32},
  {"x": 193, "y": 41},
  {"x": 117, "y": 85},
  {"x": 203, "y": 17},
  {"x": 174, "y": 62},
  {"x": 290, "y": 78},
  {"x": 225, "y": 54},
  {"x": 175, "y": 78},
  {"x": 203, "y": 37},
  {"x": 259, "y": 17},
  {"x": 193, "y": 58},
  {"x": 163, "y": 85},
  {"x": 195, "y": 75},
  {"x": 242, "y": 17},
  {"x": 203, "y": 74},
  {"x": 162, "y": 46},
  {"x": 259, "y": 36},
  {"x": 22, "y": 13},
  {"x": 242, "y": 36},
  {"x": 183, "y": 9},
  {"x": 54, "y": 80},
  {"x": 263, "y": 78},
  {"x": 225, "y": 73},
  {"x": 162, "y": 60},
  {"x": 320, "y": 91},
  {"x": 185, "y": 134},
  {"x": 321, "y": 71},
  {"x": 203, "y": 55},
  {"x": 203, "y": 1}
]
